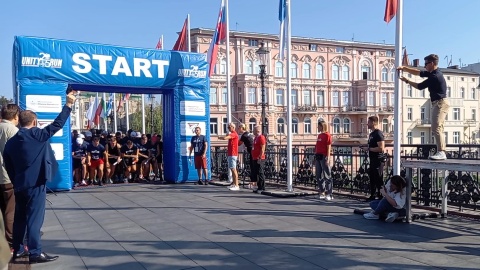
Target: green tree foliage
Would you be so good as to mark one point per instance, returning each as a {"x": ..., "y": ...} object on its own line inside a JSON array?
[
  {"x": 4, "y": 101},
  {"x": 136, "y": 119}
]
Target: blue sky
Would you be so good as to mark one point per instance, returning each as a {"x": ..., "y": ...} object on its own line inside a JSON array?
[{"x": 443, "y": 27}]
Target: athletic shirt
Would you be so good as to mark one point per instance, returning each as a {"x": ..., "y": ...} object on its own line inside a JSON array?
[
  {"x": 115, "y": 150},
  {"x": 198, "y": 144},
  {"x": 232, "y": 150},
  {"x": 373, "y": 139},
  {"x": 96, "y": 152},
  {"x": 79, "y": 150},
  {"x": 153, "y": 149},
  {"x": 143, "y": 149},
  {"x": 129, "y": 151},
  {"x": 323, "y": 141},
  {"x": 257, "y": 147}
]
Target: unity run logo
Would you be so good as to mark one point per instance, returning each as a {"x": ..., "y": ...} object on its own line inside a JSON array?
[
  {"x": 193, "y": 72},
  {"x": 192, "y": 126},
  {"x": 44, "y": 60}
]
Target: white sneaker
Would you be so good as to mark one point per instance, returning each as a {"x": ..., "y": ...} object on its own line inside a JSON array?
[
  {"x": 322, "y": 196},
  {"x": 440, "y": 155},
  {"x": 234, "y": 188},
  {"x": 76, "y": 185},
  {"x": 83, "y": 183},
  {"x": 329, "y": 197},
  {"x": 391, "y": 217},
  {"x": 370, "y": 215}
]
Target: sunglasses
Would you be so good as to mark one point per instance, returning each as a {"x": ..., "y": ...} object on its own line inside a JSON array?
[{"x": 426, "y": 64}]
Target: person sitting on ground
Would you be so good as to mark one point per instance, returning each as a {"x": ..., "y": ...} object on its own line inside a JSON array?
[{"x": 394, "y": 197}]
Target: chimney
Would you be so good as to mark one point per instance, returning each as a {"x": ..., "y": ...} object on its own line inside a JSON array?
[{"x": 416, "y": 62}]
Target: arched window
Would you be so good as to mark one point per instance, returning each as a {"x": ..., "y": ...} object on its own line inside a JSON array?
[
  {"x": 252, "y": 123},
  {"x": 365, "y": 71},
  {"x": 280, "y": 126},
  {"x": 384, "y": 75},
  {"x": 345, "y": 73},
  {"x": 307, "y": 126},
  {"x": 392, "y": 75},
  {"x": 319, "y": 71},
  {"x": 279, "y": 69},
  {"x": 336, "y": 125},
  {"x": 306, "y": 71},
  {"x": 346, "y": 125},
  {"x": 248, "y": 67},
  {"x": 256, "y": 67},
  {"x": 293, "y": 70},
  {"x": 334, "y": 72},
  {"x": 295, "y": 125},
  {"x": 223, "y": 66},
  {"x": 385, "y": 125}
]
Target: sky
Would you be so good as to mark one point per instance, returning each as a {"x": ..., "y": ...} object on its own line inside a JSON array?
[{"x": 445, "y": 27}]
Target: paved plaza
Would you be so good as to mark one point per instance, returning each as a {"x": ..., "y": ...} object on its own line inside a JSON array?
[{"x": 142, "y": 226}]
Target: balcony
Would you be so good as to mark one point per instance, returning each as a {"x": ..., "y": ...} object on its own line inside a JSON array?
[
  {"x": 423, "y": 123},
  {"x": 305, "y": 108}
]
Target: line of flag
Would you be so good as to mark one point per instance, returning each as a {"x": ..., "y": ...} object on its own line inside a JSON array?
[{"x": 219, "y": 36}]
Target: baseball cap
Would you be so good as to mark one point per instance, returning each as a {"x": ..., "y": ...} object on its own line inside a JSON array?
[
  {"x": 88, "y": 134},
  {"x": 81, "y": 136},
  {"x": 133, "y": 134}
]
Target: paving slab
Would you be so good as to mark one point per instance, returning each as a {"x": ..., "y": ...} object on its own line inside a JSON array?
[{"x": 143, "y": 226}]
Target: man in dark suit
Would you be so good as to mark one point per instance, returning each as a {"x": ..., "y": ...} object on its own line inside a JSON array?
[{"x": 30, "y": 162}]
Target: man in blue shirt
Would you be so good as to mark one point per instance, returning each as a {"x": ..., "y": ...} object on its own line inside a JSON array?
[{"x": 198, "y": 145}]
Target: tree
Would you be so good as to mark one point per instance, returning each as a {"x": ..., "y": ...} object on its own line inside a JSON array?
[
  {"x": 136, "y": 119},
  {"x": 4, "y": 101}
]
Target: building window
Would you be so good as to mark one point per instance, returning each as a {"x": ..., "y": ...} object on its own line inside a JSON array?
[
  {"x": 384, "y": 74},
  {"x": 409, "y": 91},
  {"x": 462, "y": 92},
  {"x": 253, "y": 43},
  {"x": 449, "y": 91},
  {"x": 293, "y": 70},
  {"x": 345, "y": 98},
  {"x": 384, "y": 99},
  {"x": 409, "y": 114},
  {"x": 474, "y": 94},
  {"x": 319, "y": 71},
  {"x": 371, "y": 98},
  {"x": 248, "y": 67},
  {"x": 334, "y": 72},
  {"x": 307, "y": 126},
  {"x": 279, "y": 69},
  {"x": 456, "y": 136},
  {"x": 225, "y": 124},
  {"x": 252, "y": 123},
  {"x": 385, "y": 125},
  {"x": 339, "y": 49},
  {"x": 446, "y": 137},
  {"x": 462, "y": 78},
  {"x": 213, "y": 95},
  {"x": 392, "y": 99},
  {"x": 409, "y": 137},
  {"x": 281, "y": 126},
  {"x": 336, "y": 125},
  {"x": 422, "y": 113},
  {"x": 365, "y": 73},
  {"x": 86, "y": 106},
  {"x": 223, "y": 99},
  {"x": 252, "y": 96},
  {"x": 421, "y": 93},
  {"x": 335, "y": 99},
  {"x": 295, "y": 125},
  {"x": 345, "y": 73},
  {"x": 320, "y": 98},
  {"x": 294, "y": 98},
  {"x": 307, "y": 98},
  {"x": 312, "y": 47},
  {"x": 474, "y": 114},
  {"x": 279, "y": 97},
  {"x": 306, "y": 71},
  {"x": 213, "y": 126},
  {"x": 223, "y": 66},
  {"x": 392, "y": 75},
  {"x": 422, "y": 137},
  {"x": 456, "y": 114},
  {"x": 388, "y": 53},
  {"x": 256, "y": 67},
  {"x": 346, "y": 125},
  {"x": 240, "y": 95}
]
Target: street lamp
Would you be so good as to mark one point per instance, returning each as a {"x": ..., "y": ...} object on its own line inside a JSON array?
[
  {"x": 151, "y": 98},
  {"x": 262, "y": 54}
]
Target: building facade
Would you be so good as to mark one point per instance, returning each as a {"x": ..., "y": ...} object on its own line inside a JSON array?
[{"x": 341, "y": 82}]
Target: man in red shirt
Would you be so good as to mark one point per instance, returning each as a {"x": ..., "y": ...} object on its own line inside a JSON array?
[
  {"x": 258, "y": 156},
  {"x": 232, "y": 155},
  {"x": 322, "y": 154}
]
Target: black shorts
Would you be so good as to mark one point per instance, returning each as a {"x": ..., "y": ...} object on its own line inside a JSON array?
[
  {"x": 129, "y": 161},
  {"x": 77, "y": 163},
  {"x": 112, "y": 160},
  {"x": 159, "y": 159}
]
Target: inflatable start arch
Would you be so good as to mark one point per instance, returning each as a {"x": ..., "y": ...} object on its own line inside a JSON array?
[{"x": 43, "y": 69}]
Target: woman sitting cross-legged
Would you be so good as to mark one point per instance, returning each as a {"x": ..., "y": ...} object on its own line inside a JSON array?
[{"x": 393, "y": 202}]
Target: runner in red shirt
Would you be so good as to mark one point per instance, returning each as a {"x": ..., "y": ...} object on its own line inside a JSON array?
[
  {"x": 258, "y": 155},
  {"x": 232, "y": 155}
]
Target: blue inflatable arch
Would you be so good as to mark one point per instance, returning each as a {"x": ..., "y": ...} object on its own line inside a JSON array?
[{"x": 43, "y": 68}]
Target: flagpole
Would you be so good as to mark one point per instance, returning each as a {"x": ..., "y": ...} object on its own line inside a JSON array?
[
  {"x": 126, "y": 113},
  {"x": 161, "y": 37},
  {"x": 397, "y": 134},
  {"x": 114, "y": 113},
  {"x": 143, "y": 110},
  {"x": 289, "y": 102},
  {"x": 227, "y": 40},
  {"x": 98, "y": 104},
  {"x": 104, "y": 110},
  {"x": 189, "y": 44}
]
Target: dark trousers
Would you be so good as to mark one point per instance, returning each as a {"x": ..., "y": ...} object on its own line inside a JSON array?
[
  {"x": 375, "y": 173},
  {"x": 29, "y": 216},
  {"x": 384, "y": 207},
  {"x": 258, "y": 174},
  {"x": 7, "y": 205}
]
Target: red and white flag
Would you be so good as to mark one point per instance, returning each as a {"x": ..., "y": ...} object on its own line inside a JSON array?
[{"x": 390, "y": 10}]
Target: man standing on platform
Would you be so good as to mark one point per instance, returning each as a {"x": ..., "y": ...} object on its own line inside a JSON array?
[
  {"x": 30, "y": 162},
  {"x": 258, "y": 155},
  {"x": 199, "y": 146},
  {"x": 232, "y": 155}
]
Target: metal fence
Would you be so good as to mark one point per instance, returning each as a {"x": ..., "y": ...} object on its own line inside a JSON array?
[{"x": 350, "y": 166}]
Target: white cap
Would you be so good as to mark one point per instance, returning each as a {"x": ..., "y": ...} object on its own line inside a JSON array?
[
  {"x": 81, "y": 136},
  {"x": 133, "y": 134}
]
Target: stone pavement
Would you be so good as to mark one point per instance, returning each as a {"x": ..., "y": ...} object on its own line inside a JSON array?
[{"x": 142, "y": 226}]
